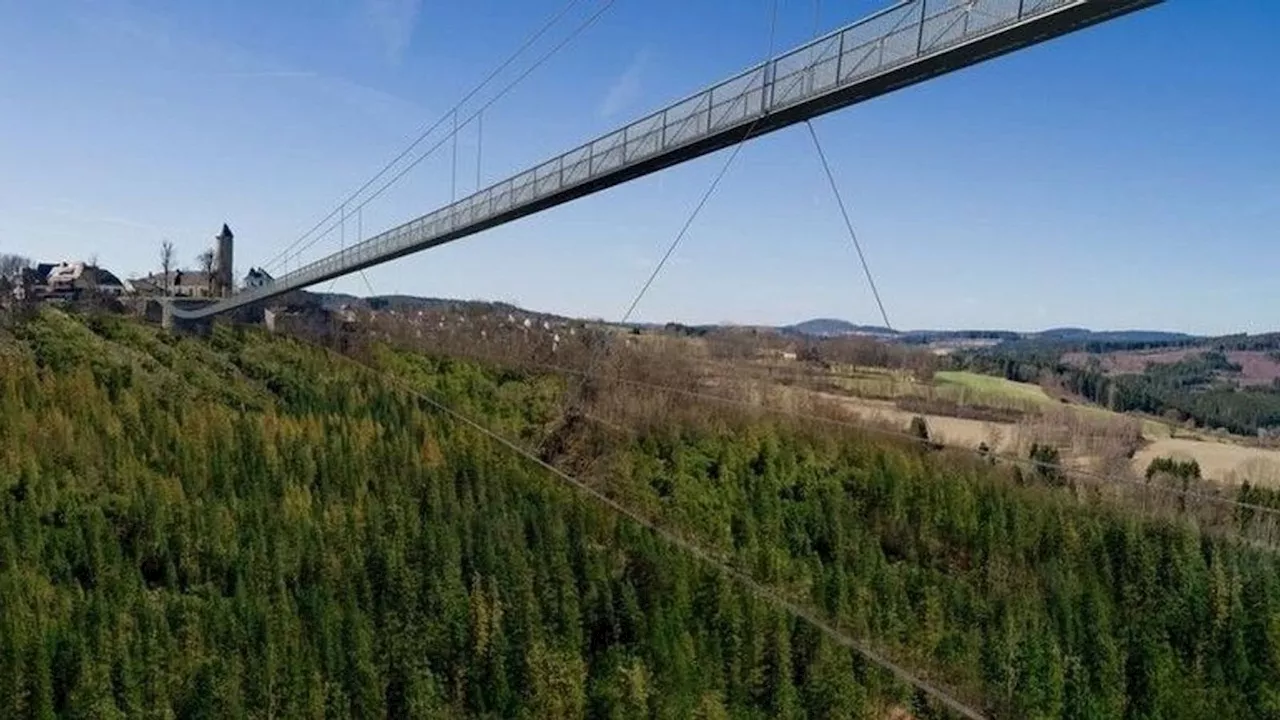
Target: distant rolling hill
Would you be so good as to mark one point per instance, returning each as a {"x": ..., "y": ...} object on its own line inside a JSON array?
[
  {"x": 831, "y": 327},
  {"x": 1112, "y": 336},
  {"x": 816, "y": 327}
]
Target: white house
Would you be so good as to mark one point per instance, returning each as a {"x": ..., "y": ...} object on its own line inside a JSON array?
[{"x": 257, "y": 277}]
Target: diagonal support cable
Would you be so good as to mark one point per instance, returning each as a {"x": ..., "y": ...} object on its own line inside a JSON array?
[
  {"x": 493, "y": 74},
  {"x": 581, "y": 28},
  {"x": 715, "y": 182},
  {"x": 684, "y": 230},
  {"x": 594, "y": 358},
  {"x": 853, "y": 235},
  {"x": 368, "y": 285}
]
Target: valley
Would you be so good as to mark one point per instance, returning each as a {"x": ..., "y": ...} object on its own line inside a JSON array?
[{"x": 246, "y": 520}]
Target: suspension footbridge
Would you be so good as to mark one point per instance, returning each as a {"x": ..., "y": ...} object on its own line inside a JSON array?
[{"x": 908, "y": 43}]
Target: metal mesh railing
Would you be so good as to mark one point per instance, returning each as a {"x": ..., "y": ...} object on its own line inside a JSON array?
[{"x": 902, "y": 34}]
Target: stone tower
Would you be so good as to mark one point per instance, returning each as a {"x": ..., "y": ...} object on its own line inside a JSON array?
[{"x": 224, "y": 282}]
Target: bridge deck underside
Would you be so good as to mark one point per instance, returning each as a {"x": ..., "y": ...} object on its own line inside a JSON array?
[{"x": 908, "y": 43}]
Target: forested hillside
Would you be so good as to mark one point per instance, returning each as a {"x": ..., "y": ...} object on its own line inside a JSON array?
[
  {"x": 1191, "y": 388},
  {"x": 245, "y": 526}
]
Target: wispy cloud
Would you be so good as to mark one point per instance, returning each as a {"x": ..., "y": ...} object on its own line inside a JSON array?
[
  {"x": 626, "y": 89},
  {"x": 73, "y": 213},
  {"x": 206, "y": 55},
  {"x": 136, "y": 26},
  {"x": 155, "y": 34},
  {"x": 269, "y": 74},
  {"x": 393, "y": 21}
]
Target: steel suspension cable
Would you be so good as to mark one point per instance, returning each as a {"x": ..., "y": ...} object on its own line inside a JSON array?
[
  {"x": 528, "y": 42},
  {"x": 505, "y": 90},
  {"x": 715, "y": 181},
  {"x": 871, "y": 428},
  {"x": 680, "y": 542},
  {"x": 760, "y": 590},
  {"x": 706, "y": 195}
]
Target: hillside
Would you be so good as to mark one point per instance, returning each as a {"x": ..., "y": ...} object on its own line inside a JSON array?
[
  {"x": 1036, "y": 399},
  {"x": 1105, "y": 337},
  {"x": 829, "y": 327},
  {"x": 1246, "y": 368},
  {"x": 1209, "y": 386},
  {"x": 245, "y": 525},
  {"x": 412, "y": 303}
]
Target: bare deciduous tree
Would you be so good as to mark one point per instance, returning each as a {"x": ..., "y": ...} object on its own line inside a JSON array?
[
  {"x": 12, "y": 265},
  {"x": 166, "y": 262},
  {"x": 205, "y": 262}
]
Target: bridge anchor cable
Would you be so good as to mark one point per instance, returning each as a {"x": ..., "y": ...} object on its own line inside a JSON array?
[
  {"x": 493, "y": 74},
  {"x": 697, "y": 209},
  {"x": 848, "y": 224},
  {"x": 762, "y": 591}
]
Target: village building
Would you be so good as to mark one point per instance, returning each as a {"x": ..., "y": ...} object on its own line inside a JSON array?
[
  {"x": 182, "y": 283},
  {"x": 257, "y": 277},
  {"x": 67, "y": 281}
]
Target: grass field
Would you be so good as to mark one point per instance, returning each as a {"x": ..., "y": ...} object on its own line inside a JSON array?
[
  {"x": 974, "y": 389},
  {"x": 1221, "y": 461},
  {"x": 962, "y": 388},
  {"x": 998, "y": 392}
]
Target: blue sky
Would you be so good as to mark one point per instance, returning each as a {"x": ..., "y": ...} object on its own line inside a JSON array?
[{"x": 1125, "y": 176}]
